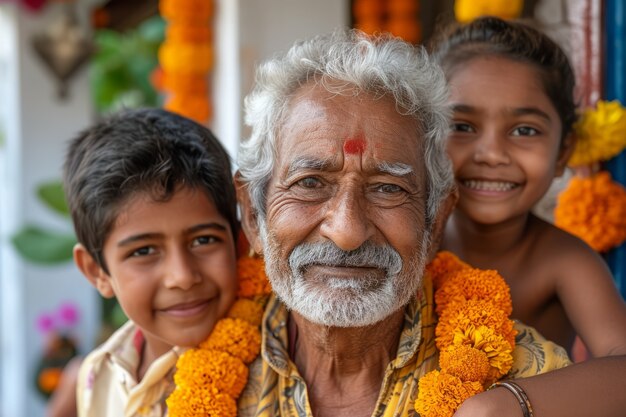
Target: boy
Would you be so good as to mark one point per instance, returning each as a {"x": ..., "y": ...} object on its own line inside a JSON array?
[{"x": 154, "y": 209}]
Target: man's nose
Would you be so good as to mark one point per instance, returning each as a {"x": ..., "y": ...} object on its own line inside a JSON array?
[
  {"x": 180, "y": 270},
  {"x": 491, "y": 149},
  {"x": 346, "y": 221}
]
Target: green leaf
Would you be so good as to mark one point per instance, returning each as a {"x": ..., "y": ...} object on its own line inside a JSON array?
[
  {"x": 52, "y": 195},
  {"x": 43, "y": 246}
]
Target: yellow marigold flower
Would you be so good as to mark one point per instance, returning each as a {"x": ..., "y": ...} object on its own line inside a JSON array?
[
  {"x": 252, "y": 279},
  {"x": 498, "y": 351},
  {"x": 472, "y": 313},
  {"x": 197, "y": 368},
  {"x": 465, "y": 362},
  {"x": 440, "y": 394},
  {"x": 474, "y": 284},
  {"x": 600, "y": 134},
  {"x": 594, "y": 209},
  {"x": 186, "y": 402},
  {"x": 468, "y": 10},
  {"x": 247, "y": 310},
  {"x": 236, "y": 337},
  {"x": 443, "y": 266}
]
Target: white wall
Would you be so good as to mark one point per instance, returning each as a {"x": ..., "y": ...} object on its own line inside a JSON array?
[
  {"x": 250, "y": 31},
  {"x": 38, "y": 127}
]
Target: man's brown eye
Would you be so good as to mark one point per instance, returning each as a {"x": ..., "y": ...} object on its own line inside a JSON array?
[
  {"x": 309, "y": 182},
  {"x": 388, "y": 188}
]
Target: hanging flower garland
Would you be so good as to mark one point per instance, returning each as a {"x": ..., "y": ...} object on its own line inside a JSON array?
[
  {"x": 468, "y": 10},
  {"x": 186, "y": 57},
  {"x": 399, "y": 17},
  {"x": 600, "y": 133},
  {"x": 210, "y": 378},
  {"x": 474, "y": 335},
  {"x": 594, "y": 209}
]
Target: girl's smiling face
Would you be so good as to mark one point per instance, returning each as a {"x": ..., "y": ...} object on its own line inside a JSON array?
[{"x": 505, "y": 143}]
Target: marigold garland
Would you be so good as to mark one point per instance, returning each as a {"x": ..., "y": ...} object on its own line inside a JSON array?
[
  {"x": 600, "y": 134},
  {"x": 594, "y": 209},
  {"x": 474, "y": 335},
  {"x": 186, "y": 57},
  {"x": 210, "y": 378}
]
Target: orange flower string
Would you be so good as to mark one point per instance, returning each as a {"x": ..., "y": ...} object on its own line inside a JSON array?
[
  {"x": 594, "y": 209},
  {"x": 474, "y": 335},
  {"x": 210, "y": 378},
  {"x": 186, "y": 57}
]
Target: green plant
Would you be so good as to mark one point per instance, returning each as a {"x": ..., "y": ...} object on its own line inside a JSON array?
[
  {"x": 120, "y": 69},
  {"x": 42, "y": 246}
]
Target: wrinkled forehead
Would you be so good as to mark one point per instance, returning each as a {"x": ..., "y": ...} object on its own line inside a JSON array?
[{"x": 338, "y": 128}]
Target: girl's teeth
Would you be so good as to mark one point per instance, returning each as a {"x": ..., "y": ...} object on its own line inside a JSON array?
[{"x": 489, "y": 185}]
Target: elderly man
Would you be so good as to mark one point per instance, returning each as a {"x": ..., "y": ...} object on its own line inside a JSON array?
[{"x": 344, "y": 187}]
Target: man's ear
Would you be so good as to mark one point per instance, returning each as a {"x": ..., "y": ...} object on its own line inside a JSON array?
[
  {"x": 439, "y": 225},
  {"x": 249, "y": 218},
  {"x": 567, "y": 148},
  {"x": 92, "y": 271}
]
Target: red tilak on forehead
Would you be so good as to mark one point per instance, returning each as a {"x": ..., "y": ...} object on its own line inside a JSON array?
[{"x": 354, "y": 146}]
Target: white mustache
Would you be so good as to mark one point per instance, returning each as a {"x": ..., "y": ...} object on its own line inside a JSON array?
[{"x": 367, "y": 255}]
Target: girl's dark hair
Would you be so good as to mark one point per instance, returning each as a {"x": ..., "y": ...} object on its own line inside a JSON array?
[
  {"x": 491, "y": 36},
  {"x": 137, "y": 151}
]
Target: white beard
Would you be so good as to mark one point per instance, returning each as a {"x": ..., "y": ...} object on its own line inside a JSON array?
[{"x": 342, "y": 302}]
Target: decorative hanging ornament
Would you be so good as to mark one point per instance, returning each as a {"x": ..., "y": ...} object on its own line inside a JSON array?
[{"x": 64, "y": 47}]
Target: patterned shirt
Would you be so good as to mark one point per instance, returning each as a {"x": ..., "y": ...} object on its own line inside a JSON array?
[
  {"x": 275, "y": 388},
  {"x": 107, "y": 380}
]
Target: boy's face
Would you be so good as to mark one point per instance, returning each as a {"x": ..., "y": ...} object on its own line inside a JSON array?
[
  {"x": 172, "y": 267},
  {"x": 505, "y": 140}
]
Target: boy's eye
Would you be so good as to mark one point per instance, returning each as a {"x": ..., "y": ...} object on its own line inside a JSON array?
[
  {"x": 309, "y": 182},
  {"x": 204, "y": 240},
  {"x": 462, "y": 127},
  {"x": 144, "y": 251},
  {"x": 525, "y": 131}
]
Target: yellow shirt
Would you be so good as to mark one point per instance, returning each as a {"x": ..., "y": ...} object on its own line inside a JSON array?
[
  {"x": 107, "y": 383},
  {"x": 275, "y": 388}
]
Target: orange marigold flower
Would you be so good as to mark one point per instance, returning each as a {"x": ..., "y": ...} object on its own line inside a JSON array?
[
  {"x": 594, "y": 209},
  {"x": 474, "y": 284},
  {"x": 187, "y": 402},
  {"x": 236, "y": 337},
  {"x": 196, "y": 107},
  {"x": 194, "y": 58},
  {"x": 499, "y": 352},
  {"x": 252, "y": 278},
  {"x": 465, "y": 362},
  {"x": 49, "y": 378},
  {"x": 247, "y": 310},
  {"x": 444, "y": 264},
  {"x": 197, "y": 368},
  {"x": 187, "y": 11},
  {"x": 440, "y": 394},
  {"x": 185, "y": 83},
  {"x": 472, "y": 313},
  {"x": 181, "y": 33}
]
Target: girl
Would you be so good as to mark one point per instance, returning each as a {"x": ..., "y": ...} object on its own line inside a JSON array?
[{"x": 511, "y": 96}]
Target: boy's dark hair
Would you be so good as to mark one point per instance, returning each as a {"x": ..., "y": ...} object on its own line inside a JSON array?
[
  {"x": 136, "y": 151},
  {"x": 517, "y": 41}
]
